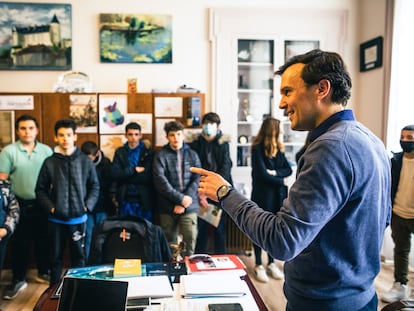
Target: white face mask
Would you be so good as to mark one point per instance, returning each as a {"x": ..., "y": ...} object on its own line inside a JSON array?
[{"x": 210, "y": 129}]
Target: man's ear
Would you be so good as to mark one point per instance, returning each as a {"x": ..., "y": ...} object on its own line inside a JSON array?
[{"x": 324, "y": 87}]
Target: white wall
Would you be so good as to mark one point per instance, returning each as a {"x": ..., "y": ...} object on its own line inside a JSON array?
[
  {"x": 191, "y": 46},
  {"x": 369, "y": 107}
]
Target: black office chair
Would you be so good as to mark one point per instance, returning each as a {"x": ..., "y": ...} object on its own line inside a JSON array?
[
  {"x": 402, "y": 305},
  {"x": 128, "y": 237}
]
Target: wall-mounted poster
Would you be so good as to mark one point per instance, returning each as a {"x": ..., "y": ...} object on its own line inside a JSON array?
[
  {"x": 112, "y": 112},
  {"x": 160, "y": 136},
  {"x": 84, "y": 111},
  {"x": 6, "y": 128},
  {"x": 143, "y": 119},
  {"x": 135, "y": 38},
  {"x": 36, "y": 36},
  {"x": 109, "y": 144}
]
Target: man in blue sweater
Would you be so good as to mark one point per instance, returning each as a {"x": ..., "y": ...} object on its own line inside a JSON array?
[{"x": 330, "y": 229}]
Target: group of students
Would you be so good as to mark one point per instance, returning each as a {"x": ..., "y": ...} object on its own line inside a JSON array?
[
  {"x": 64, "y": 192},
  {"x": 329, "y": 229}
]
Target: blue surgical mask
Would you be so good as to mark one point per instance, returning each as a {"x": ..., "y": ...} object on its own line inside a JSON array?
[
  {"x": 407, "y": 146},
  {"x": 210, "y": 129}
]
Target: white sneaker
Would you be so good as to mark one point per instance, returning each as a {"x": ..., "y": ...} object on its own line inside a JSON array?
[
  {"x": 274, "y": 271},
  {"x": 397, "y": 292},
  {"x": 261, "y": 275}
]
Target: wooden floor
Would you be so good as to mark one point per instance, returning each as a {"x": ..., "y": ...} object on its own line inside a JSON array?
[{"x": 271, "y": 292}]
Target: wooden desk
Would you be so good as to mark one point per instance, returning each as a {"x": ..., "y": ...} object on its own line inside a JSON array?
[{"x": 46, "y": 303}]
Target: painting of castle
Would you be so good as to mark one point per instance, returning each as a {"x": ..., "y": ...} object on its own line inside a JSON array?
[{"x": 35, "y": 36}]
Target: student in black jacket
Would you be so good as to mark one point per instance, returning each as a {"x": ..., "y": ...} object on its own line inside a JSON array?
[{"x": 67, "y": 188}]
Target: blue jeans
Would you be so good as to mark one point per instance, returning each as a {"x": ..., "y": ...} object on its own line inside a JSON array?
[{"x": 93, "y": 220}]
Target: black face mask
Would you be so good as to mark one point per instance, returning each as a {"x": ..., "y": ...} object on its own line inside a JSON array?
[{"x": 407, "y": 146}]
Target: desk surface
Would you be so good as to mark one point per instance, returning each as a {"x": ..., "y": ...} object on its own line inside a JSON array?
[{"x": 46, "y": 303}]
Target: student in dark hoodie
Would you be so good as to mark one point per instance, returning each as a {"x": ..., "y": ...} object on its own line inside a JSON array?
[
  {"x": 67, "y": 188},
  {"x": 104, "y": 206}
]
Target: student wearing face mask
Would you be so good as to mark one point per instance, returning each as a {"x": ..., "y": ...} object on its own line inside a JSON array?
[
  {"x": 402, "y": 220},
  {"x": 212, "y": 148}
]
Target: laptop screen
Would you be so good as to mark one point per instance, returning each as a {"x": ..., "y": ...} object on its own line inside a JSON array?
[{"x": 81, "y": 294}]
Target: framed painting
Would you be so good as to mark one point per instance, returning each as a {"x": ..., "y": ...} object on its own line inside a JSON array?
[
  {"x": 135, "y": 38},
  {"x": 35, "y": 36},
  {"x": 296, "y": 47},
  {"x": 370, "y": 54}
]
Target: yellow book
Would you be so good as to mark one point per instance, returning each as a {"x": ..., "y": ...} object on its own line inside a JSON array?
[{"x": 127, "y": 267}]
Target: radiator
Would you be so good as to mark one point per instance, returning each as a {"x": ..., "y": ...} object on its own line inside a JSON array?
[{"x": 236, "y": 241}]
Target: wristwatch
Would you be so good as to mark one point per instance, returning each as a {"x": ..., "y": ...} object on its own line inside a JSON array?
[{"x": 223, "y": 191}]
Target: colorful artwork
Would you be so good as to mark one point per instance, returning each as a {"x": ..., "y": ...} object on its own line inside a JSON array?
[
  {"x": 35, "y": 36},
  {"x": 135, "y": 38},
  {"x": 112, "y": 111}
]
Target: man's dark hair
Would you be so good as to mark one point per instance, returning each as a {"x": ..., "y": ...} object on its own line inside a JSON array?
[
  {"x": 25, "y": 117},
  {"x": 65, "y": 123},
  {"x": 321, "y": 65},
  {"x": 173, "y": 126},
  {"x": 132, "y": 126},
  {"x": 89, "y": 147},
  {"x": 211, "y": 117}
]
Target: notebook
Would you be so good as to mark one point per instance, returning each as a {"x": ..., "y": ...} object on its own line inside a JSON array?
[{"x": 82, "y": 294}]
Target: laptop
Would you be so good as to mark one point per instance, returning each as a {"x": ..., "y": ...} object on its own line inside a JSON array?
[{"x": 82, "y": 294}]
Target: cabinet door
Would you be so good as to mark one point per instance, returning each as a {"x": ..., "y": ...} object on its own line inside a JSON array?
[{"x": 255, "y": 69}]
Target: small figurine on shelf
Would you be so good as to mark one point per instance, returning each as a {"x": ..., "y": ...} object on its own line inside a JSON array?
[{"x": 244, "y": 110}]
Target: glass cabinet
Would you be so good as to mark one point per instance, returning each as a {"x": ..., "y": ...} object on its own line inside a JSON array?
[{"x": 255, "y": 70}]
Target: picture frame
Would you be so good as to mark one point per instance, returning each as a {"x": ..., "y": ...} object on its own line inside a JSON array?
[
  {"x": 370, "y": 54},
  {"x": 36, "y": 36},
  {"x": 296, "y": 47},
  {"x": 140, "y": 38}
]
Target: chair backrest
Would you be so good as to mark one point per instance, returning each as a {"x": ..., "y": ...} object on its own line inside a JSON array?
[
  {"x": 402, "y": 305},
  {"x": 128, "y": 237},
  {"x": 122, "y": 243}
]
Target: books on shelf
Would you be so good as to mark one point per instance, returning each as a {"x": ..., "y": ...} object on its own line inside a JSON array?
[
  {"x": 127, "y": 267},
  {"x": 212, "y": 285},
  {"x": 212, "y": 214},
  {"x": 207, "y": 263}
]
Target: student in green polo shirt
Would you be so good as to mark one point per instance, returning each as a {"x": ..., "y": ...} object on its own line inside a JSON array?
[{"x": 20, "y": 162}]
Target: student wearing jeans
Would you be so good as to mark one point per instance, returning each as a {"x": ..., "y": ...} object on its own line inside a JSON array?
[
  {"x": 212, "y": 147},
  {"x": 20, "y": 163},
  {"x": 402, "y": 219},
  {"x": 67, "y": 188},
  {"x": 177, "y": 187}
]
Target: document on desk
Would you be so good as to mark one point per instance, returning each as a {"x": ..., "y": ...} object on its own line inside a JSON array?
[
  {"x": 157, "y": 286},
  {"x": 212, "y": 285}
]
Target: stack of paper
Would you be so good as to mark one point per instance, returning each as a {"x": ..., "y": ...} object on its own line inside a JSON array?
[
  {"x": 212, "y": 285},
  {"x": 157, "y": 286}
]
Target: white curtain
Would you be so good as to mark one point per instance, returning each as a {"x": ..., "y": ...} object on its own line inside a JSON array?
[{"x": 401, "y": 99}]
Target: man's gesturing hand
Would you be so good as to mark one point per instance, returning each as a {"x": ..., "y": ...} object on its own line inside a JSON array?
[{"x": 209, "y": 182}]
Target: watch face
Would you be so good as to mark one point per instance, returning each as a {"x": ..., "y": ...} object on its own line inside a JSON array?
[{"x": 222, "y": 192}]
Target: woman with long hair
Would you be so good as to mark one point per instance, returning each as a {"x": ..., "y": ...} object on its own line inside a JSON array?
[{"x": 269, "y": 169}]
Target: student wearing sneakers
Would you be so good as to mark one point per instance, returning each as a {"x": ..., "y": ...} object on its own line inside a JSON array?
[
  {"x": 269, "y": 169},
  {"x": 20, "y": 163},
  {"x": 67, "y": 189},
  {"x": 402, "y": 220},
  {"x": 9, "y": 216}
]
